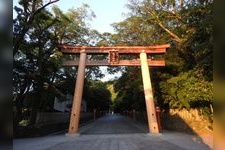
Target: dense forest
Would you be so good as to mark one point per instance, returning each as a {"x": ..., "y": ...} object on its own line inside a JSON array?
[{"x": 185, "y": 81}]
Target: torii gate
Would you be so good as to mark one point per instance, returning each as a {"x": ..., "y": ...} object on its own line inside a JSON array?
[{"x": 113, "y": 60}]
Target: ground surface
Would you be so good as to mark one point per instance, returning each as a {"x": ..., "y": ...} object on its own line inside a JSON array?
[{"x": 115, "y": 132}]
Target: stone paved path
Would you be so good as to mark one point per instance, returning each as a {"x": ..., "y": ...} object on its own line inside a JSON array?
[
  {"x": 114, "y": 132},
  {"x": 113, "y": 124}
]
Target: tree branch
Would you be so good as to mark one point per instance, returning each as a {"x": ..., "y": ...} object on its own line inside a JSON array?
[
  {"x": 43, "y": 7},
  {"x": 18, "y": 40},
  {"x": 157, "y": 20},
  {"x": 179, "y": 40}
]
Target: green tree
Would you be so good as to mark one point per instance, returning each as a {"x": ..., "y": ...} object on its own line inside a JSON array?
[
  {"x": 187, "y": 26},
  {"x": 189, "y": 90},
  {"x": 33, "y": 49},
  {"x": 97, "y": 95},
  {"x": 36, "y": 72},
  {"x": 129, "y": 89}
]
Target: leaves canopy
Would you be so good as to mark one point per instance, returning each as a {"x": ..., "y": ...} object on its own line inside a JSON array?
[{"x": 186, "y": 81}]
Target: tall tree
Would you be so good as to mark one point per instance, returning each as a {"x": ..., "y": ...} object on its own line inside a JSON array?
[
  {"x": 33, "y": 47},
  {"x": 187, "y": 26},
  {"x": 37, "y": 33}
]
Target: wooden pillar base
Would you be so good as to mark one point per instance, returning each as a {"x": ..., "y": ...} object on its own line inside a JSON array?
[{"x": 72, "y": 135}]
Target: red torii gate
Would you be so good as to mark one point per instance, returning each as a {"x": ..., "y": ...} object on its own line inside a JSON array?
[{"x": 113, "y": 60}]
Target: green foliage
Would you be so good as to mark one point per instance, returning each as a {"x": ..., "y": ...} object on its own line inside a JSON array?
[
  {"x": 130, "y": 91},
  {"x": 71, "y": 27},
  {"x": 186, "y": 88},
  {"x": 37, "y": 59},
  {"x": 199, "y": 40},
  {"x": 110, "y": 87},
  {"x": 186, "y": 80},
  {"x": 97, "y": 95}
]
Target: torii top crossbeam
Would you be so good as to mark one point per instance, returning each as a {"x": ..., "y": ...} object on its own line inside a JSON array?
[
  {"x": 121, "y": 49},
  {"x": 114, "y": 52}
]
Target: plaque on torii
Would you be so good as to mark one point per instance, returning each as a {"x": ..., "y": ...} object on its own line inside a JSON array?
[{"x": 114, "y": 53}]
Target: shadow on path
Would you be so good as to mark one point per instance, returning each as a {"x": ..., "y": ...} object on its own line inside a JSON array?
[
  {"x": 113, "y": 132},
  {"x": 112, "y": 124}
]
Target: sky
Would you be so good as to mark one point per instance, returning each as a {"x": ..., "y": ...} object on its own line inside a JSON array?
[{"x": 106, "y": 11}]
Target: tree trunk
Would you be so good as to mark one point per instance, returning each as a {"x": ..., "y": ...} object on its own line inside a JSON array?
[
  {"x": 181, "y": 4},
  {"x": 33, "y": 115},
  {"x": 176, "y": 38},
  {"x": 18, "y": 116}
]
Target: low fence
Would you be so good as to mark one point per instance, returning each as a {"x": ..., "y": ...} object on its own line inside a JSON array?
[
  {"x": 58, "y": 117},
  {"x": 188, "y": 115}
]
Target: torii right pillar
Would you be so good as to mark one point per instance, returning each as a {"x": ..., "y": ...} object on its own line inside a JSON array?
[{"x": 150, "y": 106}]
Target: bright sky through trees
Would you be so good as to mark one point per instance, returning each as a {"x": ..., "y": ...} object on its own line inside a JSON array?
[{"x": 106, "y": 11}]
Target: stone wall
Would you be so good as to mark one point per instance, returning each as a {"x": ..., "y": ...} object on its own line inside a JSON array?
[{"x": 189, "y": 121}]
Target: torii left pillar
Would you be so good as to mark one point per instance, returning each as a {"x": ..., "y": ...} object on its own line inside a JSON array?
[{"x": 77, "y": 98}]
